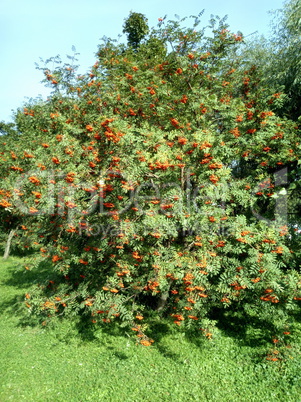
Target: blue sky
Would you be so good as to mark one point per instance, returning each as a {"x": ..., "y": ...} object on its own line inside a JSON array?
[{"x": 31, "y": 29}]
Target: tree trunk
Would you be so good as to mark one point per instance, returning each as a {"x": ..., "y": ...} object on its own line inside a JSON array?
[
  {"x": 162, "y": 301},
  {"x": 8, "y": 244}
]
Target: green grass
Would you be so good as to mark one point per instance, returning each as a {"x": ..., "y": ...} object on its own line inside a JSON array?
[{"x": 70, "y": 363}]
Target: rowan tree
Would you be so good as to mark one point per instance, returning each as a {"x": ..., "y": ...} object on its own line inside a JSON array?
[{"x": 157, "y": 182}]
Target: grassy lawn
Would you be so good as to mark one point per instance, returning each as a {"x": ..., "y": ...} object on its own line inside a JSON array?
[{"x": 66, "y": 363}]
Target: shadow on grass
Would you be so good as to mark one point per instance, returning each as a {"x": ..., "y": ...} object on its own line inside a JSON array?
[
  {"x": 247, "y": 330},
  {"x": 17, "y": 281},
  {"x": 20, "y": 278}
]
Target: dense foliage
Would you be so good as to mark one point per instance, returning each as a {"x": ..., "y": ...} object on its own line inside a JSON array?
[
  {"x": 158, "y": 181},
  {"x": 278, "y": 58}
]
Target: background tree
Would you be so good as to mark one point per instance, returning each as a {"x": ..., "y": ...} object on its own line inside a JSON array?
[
  {"x": 279, "y": 59},
  {"x": 136, "y": 29},
  {"x": 287, "y": 67}
]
